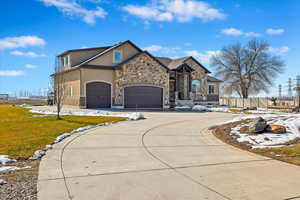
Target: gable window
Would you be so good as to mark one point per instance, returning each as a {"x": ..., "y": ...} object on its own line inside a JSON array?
[
  {"x": 196, "y": 85},
  {"x": 211, "y": 89},
  {"x": 117, "y": 56}
]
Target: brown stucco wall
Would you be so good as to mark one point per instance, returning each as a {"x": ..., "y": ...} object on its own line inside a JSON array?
[
  {"x": 142, "y": 70},
  {"x": 90, "y": 75},
  {"x": 71, "y": 80},
  {"x": 107, "y": 59}
]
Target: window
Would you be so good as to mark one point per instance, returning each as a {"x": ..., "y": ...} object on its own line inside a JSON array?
[
  {"x": 65, "y": 61},
  {"x": 196, "y": 85},
  {"x": 68, "y": 60},
  {"x": 211, "y": 89},
  {"x": 71, "y": 91},
  {"x": 117, "y": 56}
]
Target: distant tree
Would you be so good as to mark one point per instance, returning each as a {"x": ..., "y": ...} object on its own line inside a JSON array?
[
  {"x": 247, "y": 69},
  {"x": 58, "y": 87},
  {"x": 274, "y": 101}
]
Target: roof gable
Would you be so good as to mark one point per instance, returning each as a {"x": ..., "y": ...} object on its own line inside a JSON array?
[
  {"x": 109, "y": 50},
  {"x": 198, "y": 63},
  {"x": 147, "y": 53}
]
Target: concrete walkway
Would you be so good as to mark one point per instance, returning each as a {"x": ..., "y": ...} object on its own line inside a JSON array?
[{"x": 168, "y": 156}]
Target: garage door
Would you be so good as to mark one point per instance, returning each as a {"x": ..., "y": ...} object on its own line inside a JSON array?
[
  {"x": 98, "y": 95},
  {"x": 143, "y": 97}
]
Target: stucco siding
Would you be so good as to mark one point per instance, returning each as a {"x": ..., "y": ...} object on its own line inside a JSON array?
[
  {"x": 107, "y": 59},
  {"x": 90, "y": 75},
  {"x": 71, "y": 82}
]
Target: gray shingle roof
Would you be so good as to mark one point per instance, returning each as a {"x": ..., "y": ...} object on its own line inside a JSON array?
[
  {"x": 98, "y": 49},
  {"x": 213, "y": 79}
]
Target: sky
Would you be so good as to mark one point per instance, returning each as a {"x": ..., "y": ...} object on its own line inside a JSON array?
[{"x": 33, "y": 32}]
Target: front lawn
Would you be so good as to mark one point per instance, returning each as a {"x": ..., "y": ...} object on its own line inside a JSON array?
[{"x": 23, "y": 132}]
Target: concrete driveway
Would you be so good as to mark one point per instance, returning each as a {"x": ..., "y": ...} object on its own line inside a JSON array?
[{"x": 168, "y": 156}]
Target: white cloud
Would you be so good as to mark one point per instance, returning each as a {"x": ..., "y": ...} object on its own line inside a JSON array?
[
  {"x": 180, "y": 10},
  {"x": 232, "y": 31},
  {"x": 72, "y": 8},
  {"x": 161, "y": 49},
  {"x": 30, "y": 66},
  {"x": 11, "y": 73},
  {"x": 153, "y": 48},
  {"x": 238, "y": 32},
  {"x": 21, "y": 42},
  {"x": 279, "y": 50},
  {"x": 27, "y": 54},
  {"x": 271, "y": 31},
  {"x": 202, "y": 57}
]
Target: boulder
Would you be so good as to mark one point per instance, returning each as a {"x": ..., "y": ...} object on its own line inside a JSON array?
[
  {"x": 274, "y": 128},
  {"x": 257, "y": 125}
]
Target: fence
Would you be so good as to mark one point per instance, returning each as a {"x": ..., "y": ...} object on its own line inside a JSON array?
[{"x": 260, "y": 102}]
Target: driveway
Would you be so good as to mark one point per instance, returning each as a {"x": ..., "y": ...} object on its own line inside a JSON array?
[{"x": 168, "y": 156}]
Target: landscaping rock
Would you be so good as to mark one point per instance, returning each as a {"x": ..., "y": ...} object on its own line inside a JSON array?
[
  {"x": 2, "y": 182},
  {"x": 273, "y": 128},
  {"x": 258, "y": 125}
]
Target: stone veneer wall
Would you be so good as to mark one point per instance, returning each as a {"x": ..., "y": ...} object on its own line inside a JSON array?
[
  {"x": 199, "y": 74},
  {"x": 142, "y": 70}
]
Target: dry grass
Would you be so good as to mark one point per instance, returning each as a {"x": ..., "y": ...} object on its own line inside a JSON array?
[
  {"x": 34, "y": 102},
  {"x": 282, "y": 107},
  {"x": 290, "y": 154},
  {"x": 236, "y": 110},
  {"x": 22, "y": 132}
]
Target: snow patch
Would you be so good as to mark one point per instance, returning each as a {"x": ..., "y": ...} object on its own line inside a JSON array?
[
  {"x": 38, "y": 154},
  {"x": 136, "y": 116},
  {"x": 182, "y": 107},
  {"x": 201, "y": 108},
  {"x": 267, "y": 139},
  {"x": 12, "y": 168},
  {"x": 131, "y": 116},
  {"x": 4, "y": 159},
  {"x": 61, "y": 137},
  {"x": 2, "y": 182}
]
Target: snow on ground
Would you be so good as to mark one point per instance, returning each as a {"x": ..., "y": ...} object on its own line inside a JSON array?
[
  {"x": 12, "y": 168},
  {"x": 131, "y": 116},
  {"x": 61, "y": 137},
  {"x": 4, "y": 159},
  {"x": 266, "y": 139},
  {"x": 201, "y": 108}
]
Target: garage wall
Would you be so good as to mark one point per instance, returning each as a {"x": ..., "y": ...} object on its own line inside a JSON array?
[
  {"x": 142, "y": 70},
  {"x": 89, "y": 75},
  {"x": 72, "y": 88}
]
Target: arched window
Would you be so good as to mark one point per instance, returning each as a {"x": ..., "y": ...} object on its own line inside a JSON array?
[{"x": 196, "y": 85}]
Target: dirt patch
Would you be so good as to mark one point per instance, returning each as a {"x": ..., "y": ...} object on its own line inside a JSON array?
[{"x": 21, "y": 184}]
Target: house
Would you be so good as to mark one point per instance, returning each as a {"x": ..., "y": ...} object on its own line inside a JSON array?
[{"x": 124, "y": 76}]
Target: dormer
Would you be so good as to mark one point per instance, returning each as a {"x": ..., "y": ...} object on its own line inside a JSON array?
[{"x": 65, "y": 61}]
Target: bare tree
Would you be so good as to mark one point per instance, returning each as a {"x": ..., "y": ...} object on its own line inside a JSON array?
[
  {"x": 247, "y": 69},
  {"x": 58, "y": 85}
]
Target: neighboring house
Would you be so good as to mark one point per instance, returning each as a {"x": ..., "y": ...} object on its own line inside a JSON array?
[{"x": 124, "y": 76}]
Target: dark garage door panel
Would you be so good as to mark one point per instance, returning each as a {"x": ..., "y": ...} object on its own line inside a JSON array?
[
  {"x": 98, "y": 95},
  {"x": 143, "y": 97}
]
